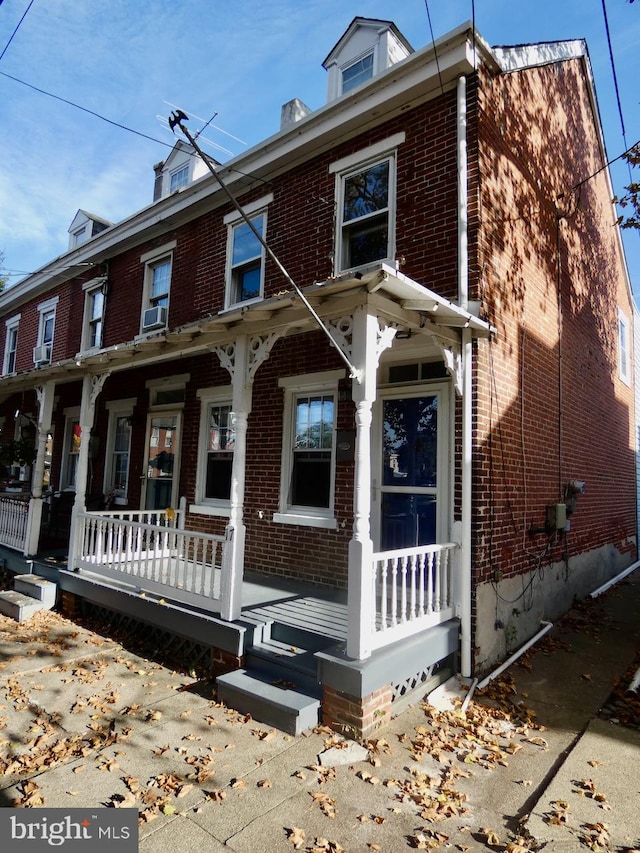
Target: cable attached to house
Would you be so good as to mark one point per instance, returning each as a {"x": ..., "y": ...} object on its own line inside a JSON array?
[{"x": 177, "y": 118}]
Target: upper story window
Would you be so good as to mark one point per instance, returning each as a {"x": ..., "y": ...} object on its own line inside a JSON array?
[
  {"x": 46, "y": 327},
  {"x": 179, "y": 178},
  {"x": 94, "y": 304},
  {"x": 366, "y": 191},
  {"x": 11, "y": 345},
  {"x": 624, "y": 348},
  {"x": 245, "y": 254},
  {"x": 80, "y": 236},
  {"x": 357, "y": 72},
  {"x": 157, "y": 286}
]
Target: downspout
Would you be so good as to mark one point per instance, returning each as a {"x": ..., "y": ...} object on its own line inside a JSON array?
[{"x": 467, "y": 385}]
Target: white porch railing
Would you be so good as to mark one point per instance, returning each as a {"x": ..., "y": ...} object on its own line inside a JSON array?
[
  {"x": 413, "y": 590},
  {"x": 13, "y": 522},
  {"x": 155, "y": 557}
]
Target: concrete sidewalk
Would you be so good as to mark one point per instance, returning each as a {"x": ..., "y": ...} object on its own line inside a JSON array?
[{"x": 86, "y": 723}]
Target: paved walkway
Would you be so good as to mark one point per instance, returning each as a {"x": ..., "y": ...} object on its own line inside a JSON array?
[{"x": 86, "y": 723}]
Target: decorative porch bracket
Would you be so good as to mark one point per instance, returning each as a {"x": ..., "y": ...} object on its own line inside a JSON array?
[
  {"x": 369, "y": 337},
  {"x": 453, "y": 363},
  {"x": 241, "y": 359},
  {"x": 45, "y": 396},
  {"x": 92, "y": 385}
]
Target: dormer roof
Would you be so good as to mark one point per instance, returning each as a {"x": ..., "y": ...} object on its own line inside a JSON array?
[{"x": 367, "y": 47}]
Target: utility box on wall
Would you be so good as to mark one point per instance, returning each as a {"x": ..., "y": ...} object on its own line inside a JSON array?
[{"x": 556, "y": 517}]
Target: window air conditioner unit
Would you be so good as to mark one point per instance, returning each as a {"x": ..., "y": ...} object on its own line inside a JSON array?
[
  {"x": 154, "y": 318},
  {"x": 42, "y": 354}
]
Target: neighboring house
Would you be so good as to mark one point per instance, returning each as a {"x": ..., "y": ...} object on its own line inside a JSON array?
[{"x": 400, "y": 484}]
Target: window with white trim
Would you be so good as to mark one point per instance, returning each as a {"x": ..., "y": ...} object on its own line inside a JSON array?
[
  {"x": 357, "y": 72},
  {"x": 308, "y": 451},
  {"x": 157, "y": 287},
  {"x": 94, "y": 304},
  {"x": 71, "y": 448},
  {"x": 118, "y": 455},
  {"x": 10, "y": 345},
  {"x": 245, "y": 254},
  {"x": 46, "y": 328},
  {"x": 179, "y": 178},
  {"x": 215, "y": 451},
  {"x": 624, "y": 348},
  {"x": 366, "y": 204}
]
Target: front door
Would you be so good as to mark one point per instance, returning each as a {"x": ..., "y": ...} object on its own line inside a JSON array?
[
  {"x": 161, "y": 461},
  {"x": 413, "y": 470}
]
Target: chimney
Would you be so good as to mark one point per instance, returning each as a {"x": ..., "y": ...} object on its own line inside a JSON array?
[{"x": 292, "y": 112}]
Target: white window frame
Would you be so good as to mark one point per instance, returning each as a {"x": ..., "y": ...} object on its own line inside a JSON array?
[
  {"x": 347, "y": 167},
  {"x": 219, "y": 396},
  {"x": 624, "y": 348},
  {"x": 45, "y": 310},
  {"x": 151, "y": 261},
  {"x": 11, "y": 344},
  {"x": 232, "y": 221},
  {"x": 354, "y": 61},
  {"x": 67, "y": 482},
  {"x": 91, "y": 288},
  {"x": 179, "y": 175},
  {"x": 116, "y": 409},
  {"x": 307, "y": 384}
]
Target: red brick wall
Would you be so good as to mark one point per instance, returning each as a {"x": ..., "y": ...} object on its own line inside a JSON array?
[{"x": 550, "y": 406}]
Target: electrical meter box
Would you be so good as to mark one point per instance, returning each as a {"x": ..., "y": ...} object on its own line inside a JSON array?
[{"x": 556, "y": 517}]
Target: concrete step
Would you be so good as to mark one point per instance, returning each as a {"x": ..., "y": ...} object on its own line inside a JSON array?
[
  {"x": 18, "y": 606},
  {"x": 251, "y": 692},
  {"x": 36, "y": 587},
  {"x": 282, "y": 661}
]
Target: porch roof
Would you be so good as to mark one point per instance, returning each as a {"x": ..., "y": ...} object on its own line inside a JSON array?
[{"x": 401, "y": 300}]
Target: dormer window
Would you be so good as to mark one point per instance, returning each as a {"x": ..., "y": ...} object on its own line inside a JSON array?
[
  {"x": 79, "y": 237},
  {"x": 179, "y": 178},
  {"x": 357, "y": 72}
]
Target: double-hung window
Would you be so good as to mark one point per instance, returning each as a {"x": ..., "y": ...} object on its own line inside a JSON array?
[
  {"x": 116, "y": 480},
  {"x": 357, "y": 72},
  {"x": 71, "y": 449},
  {"x": 179, "y": 178},
  {"x": 245, "y": 254},
  {"x": 215, "y": 452},
  {"x": 366, "y": 193},
  {"x": 46, "y": 326},
  {"x": 308, "y": 451},
  {"x": 157, "y": 287},
  {"x": 11, "y": 345},
  {"x": 94, "y": 304}
]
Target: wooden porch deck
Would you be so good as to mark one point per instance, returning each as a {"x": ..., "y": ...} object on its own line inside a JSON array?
[{"x": 300, "y": 606}]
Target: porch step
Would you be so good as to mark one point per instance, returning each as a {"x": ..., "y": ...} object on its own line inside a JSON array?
[
  {"x": 300, "y": 638},
  {"x": 284, "y": 664},
  {"x": 36, "y": 587},
  {"x": 253, "y": 693},
  {"x": 18, "y": 606}
]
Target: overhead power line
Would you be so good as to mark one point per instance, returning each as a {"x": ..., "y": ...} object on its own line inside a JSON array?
[{"x": 17, "y": 27}]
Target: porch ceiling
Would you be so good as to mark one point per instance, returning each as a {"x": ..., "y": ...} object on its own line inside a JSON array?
[{"x": 398, "y": 298}]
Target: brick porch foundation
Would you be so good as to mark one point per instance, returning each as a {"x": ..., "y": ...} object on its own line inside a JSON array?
[{"x": 353, "y": 716}]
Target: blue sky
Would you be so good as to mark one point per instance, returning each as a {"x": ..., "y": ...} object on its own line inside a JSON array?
[{"x": 241, "y": 59}]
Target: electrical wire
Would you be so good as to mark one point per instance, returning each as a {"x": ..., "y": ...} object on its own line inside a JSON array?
[
  {"x": 17, "y": 27},
  {"x": 433, "y": 42}
]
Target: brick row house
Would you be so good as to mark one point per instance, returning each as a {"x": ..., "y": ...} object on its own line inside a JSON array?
[{"x": 380, "y": 449}]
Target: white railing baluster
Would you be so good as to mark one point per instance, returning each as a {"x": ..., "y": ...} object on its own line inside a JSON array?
[{"x": 412, "y": 590}]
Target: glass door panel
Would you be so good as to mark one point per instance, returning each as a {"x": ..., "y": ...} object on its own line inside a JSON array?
[
  {"x": 409, "y": 471},
  {"x": 160, "y": 464}
]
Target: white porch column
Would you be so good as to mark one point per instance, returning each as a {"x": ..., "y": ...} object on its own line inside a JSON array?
[
  {"x": 45, "y": 395},
  {"x": 368, "y": 341},
  {"x": 91, "y": 387},
  {"x": 241, "y": 359}
]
